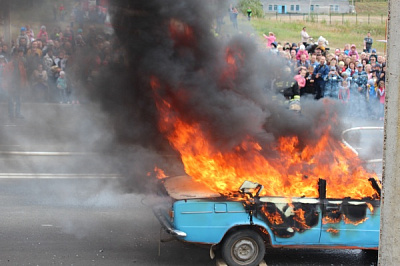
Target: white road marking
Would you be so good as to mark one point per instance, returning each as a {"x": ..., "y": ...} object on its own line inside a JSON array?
[{"x": 57, "y": 176}]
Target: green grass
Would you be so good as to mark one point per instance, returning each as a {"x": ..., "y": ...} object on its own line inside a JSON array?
[
  {"x": 376, "y": 8},
  {"x": 337, "y": 34}
]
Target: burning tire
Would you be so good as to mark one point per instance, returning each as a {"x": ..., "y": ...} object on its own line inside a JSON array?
[{"x": 243, "y": 248}]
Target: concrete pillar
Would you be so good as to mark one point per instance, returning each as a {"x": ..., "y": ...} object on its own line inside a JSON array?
[{"x": 389, "y": 248}]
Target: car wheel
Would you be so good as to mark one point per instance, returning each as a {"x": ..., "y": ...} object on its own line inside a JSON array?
[{"x": 243, "y": 248}]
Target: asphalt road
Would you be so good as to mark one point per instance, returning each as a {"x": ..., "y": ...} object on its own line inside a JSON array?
[{"x": 84, "y": 222}]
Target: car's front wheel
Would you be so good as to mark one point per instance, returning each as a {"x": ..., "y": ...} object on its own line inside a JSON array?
[{"x": 243, "y": 248}]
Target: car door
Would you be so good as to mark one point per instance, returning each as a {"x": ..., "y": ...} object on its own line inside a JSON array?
[
  {"x": 351, "y": 223},
  {"x": 293, "y": 222}
]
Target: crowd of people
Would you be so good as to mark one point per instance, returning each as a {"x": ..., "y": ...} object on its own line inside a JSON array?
[
  {"x": 356, "y": 78},
  {"x": 55, "y": 66}
]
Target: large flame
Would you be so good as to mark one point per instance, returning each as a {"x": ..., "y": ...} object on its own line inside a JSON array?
[{"x": 294, "y": 173}]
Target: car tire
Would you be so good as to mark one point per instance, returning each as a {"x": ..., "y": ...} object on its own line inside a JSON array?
[{"x": 243, "y": 248}]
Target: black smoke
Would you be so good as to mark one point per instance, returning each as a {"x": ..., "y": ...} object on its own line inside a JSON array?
[{"x": 227, "y": 108}]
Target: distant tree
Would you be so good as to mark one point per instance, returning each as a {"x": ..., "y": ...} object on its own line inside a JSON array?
[{"x": 255, "y": 5}]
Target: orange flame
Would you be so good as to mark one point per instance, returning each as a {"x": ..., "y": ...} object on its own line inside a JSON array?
[
  {"x": 274, "y": 218},
  {"x": 295, "y": 173},
  {"x": 332, "y": 230},
  {"x": 348, "y": 221},
  {"x": 329, "y": 220},
  {"x": 181, "y": 33},
  {"x": 159, "y": 173},
  {"x": 370, "y": 207},
  {"x": 299, "y": 217}
]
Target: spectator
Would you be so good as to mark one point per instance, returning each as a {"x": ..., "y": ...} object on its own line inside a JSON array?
[
  {"x": 301, "y": 77},
  {"x": 56, "y": 48},
  {"x": 359, "y": 94},
  {"x": 353, "y": 51},
  {"x": 235, "y": 14},
  {"x": 62, "y": 12},
  {"x": 332, "y": 83},
  {"x": 360, "y": 70},
  {"x": 293, "y": 55},
  {"x": 346, "y": 49},
  {"x": 318, "y": 53},
  {"x": 294, "y": 47},
  {"x": 344, "y": 91},
  {"x": 54, "y": 35},
  {"x": 368, "y": 43},
  {"x": 49, "y": 45},
  {"x": 313, "y": 61},
  {"x": 34, "y": 50},
  {"x": 270, "y": 38},
  {"x": 43, "y": 34},
  {"x": 40, "y": 86},
  {"x": 62, "y": 87},
  {"x": 274, "y": 48},
  {"x": 15, "y": 83},
  {"x": 5, "y": 52},
  {"x": 361, "y": 79},
  {"x": 372, "y": 60},
  {"x": 249, "y": 13},
  {"x": 3, "y": 63},
  {"x": 363, "y": 55},
  {"x": 23, "y": 39},
  {"x": 303, "y": 62},
  {"x": 30, "y": 33},
  {"x": 341, "y": 68},
  {"x": 319, "y": 75},
  {"x": 341, "y": 57},
  {"x": 379, "y": 60},
  {"x": 351, "y": 69},
  {"x": 368, "y": 70},
  {"x": 333, "y": 63},
  {"x": 79, "y": 42},
  {"x": 304, "y": 36},
  {"x": 68, "y": 35},
  {"x": 382, "y": 94},
  {"x": 302, "y": 51},
  {"x": 381, "y": 73},
  {"x": 364, "y": 62}
]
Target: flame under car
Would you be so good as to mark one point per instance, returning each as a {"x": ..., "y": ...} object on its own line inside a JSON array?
[{"x": 243, "y": 224}]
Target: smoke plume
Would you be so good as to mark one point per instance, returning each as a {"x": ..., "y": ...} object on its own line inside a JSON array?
[{"x": 174, "y": 42}]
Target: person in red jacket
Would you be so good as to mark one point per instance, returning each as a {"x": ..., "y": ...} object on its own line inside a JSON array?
[
  {"x": 43, "y": 35},
  {"x": 62, "y": 11}
]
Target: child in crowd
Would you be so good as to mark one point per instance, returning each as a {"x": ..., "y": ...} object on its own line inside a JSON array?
[
  {"x": 381, "y": 94},
  {"x": 270, "y": 39},
  {"x": 344, "y": 91},
  {"x": 302, "y": 51},
  {"x": 62, "y": 86}
]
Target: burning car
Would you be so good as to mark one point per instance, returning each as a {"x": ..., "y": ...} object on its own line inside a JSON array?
[{"x": 243, "y": 224}]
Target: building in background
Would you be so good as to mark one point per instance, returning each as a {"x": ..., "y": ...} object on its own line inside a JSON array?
[{"x": 307, "y": 6}]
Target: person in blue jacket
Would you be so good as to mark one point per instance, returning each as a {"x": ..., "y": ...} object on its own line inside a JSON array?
[
  {"x": 332, "y": 81},
  {"x": 319, "y": 75}
]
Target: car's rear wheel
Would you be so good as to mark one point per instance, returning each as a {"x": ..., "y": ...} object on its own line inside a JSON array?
[{"x": 243, "y": 248}]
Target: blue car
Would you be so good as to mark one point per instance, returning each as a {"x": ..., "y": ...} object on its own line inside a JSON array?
[{"x": 243, "y": 225}]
